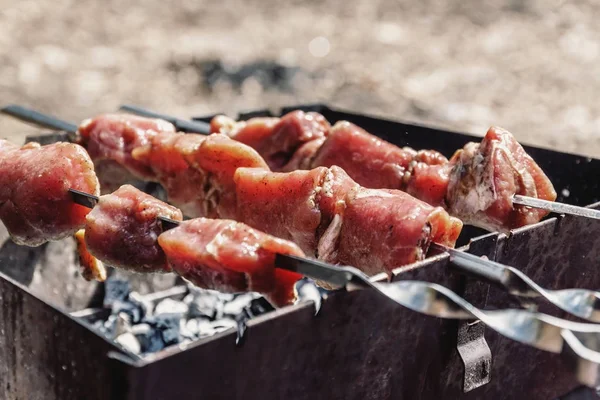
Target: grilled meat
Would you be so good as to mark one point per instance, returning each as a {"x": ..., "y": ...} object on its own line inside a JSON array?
[
  {"x": 110, "y": 139},
  {"x": 122, "y": 230},
  {"x": 333, "y": 218},
  {"x": 231, "y": 257},
  {"x": 275, "y": 139},
  {"x": 35, "y": 204},
  {"x": 477, "y": 185},
  {"x": 197, "y": 170},
  {"x": 485, "y": 177}
]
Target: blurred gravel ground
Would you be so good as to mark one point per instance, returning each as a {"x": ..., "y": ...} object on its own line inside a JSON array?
[{"x": 529, "y": 66}]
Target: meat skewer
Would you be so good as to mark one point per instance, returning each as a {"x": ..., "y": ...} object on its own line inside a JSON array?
[
  {"x": 323, "y": 211},
  {"x": 538, "y": 330},
  {"x": 128, "y": 229},
  {"x": 428, "y": 167},
  {"x": 496, "y": 273}
]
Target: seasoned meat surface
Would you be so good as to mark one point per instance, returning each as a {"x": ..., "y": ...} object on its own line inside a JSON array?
[
  {"x": 230, "y": 256},
  {"x": 35, "y": 204},
  {"x": 122, "y": 230},
  {"x": 110, "y": 139},
  {"x": 486, "y": 176},
  {"x": 219, "y": 157},
  {"x": 370, "y": 161},
  {"x": 379, "y": 229},
  {"x": 281, "y": 204},
  {"x": 333, "y": 218},
  {"x": 164, "y": 155},
  {"x": 275, "y": 139}
]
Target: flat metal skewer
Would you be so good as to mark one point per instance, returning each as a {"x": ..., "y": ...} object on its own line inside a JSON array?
[
  {"x": 37, "y": 118},
  {"x": 582, "y": 303},
  {"x": 553, "y": 206},
  {"x": 578, "y": 343},
  {"x": 181, "y": 124}
]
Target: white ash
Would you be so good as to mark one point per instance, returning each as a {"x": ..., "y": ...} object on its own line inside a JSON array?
[{"x": 143, "y": 328}]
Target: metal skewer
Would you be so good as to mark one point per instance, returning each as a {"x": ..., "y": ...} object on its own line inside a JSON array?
[
  {"x": 576, "y": 342},
  {"x": 582, "y": 303},
  {"x": 181, "y": 124}
]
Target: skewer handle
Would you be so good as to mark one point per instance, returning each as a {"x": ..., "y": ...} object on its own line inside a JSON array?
[
  {"x": 181, "y": 124},
  {"x": 37, "y": 118}
]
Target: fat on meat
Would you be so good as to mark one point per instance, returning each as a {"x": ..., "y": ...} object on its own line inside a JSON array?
[
  {"x": 230, "y": 257},
  {"x": 123, "y": 229},
  {"x": 110, "y": 139},
  {"x": 35, "y": 204},
  {"x": 486, "y": 176},
  {"x": 277, "y": 140}
]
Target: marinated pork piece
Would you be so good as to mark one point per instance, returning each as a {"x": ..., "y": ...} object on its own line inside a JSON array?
[
  {"x": 486, "y": 176},
  {"x": 333, "y": 218},
  {"x": 219, "y": 157},
  {"x": 276, "y": 139},
  {"x": 122, "y": 230},
  {"x": 35, "y": 204},
  {"x": 370, "y": 161},
  {"x": 282, "y": 204},
  {"x": 164, "y": 154},
  {"x": 110, "y": 139},
  {"x": 229, "y": 256},
  {"x": 91, "y": 267}
]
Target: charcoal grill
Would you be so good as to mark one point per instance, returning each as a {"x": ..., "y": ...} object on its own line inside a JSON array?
[{"x": 359, "y": 346}]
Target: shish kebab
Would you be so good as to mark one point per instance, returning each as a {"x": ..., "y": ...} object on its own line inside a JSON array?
[
  {"x": 226, "y": 255},
  {"x": 513, "y": 279},
  {"x": 425, "y": 174},
  {"x": 323, "y": 211}
]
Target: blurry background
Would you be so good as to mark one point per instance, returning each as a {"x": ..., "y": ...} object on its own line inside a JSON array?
[{"x": 532, "y": 67}]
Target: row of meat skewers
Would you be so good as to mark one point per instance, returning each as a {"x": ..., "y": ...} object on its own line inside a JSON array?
[
  {"x": 247, "y": 218},
  {"x": 321, "y": 212}
]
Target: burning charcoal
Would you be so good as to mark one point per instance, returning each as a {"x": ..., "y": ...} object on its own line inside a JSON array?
[
  {"x": 116, "y": 289},
  {"x": 203, "y": 305},
  {"x": 239, "y": 303},
  {"x": 223, "y": 324},
  {"x": 170, "y": 306},
  {"x": 167, "y": 325},
  {"x": 149, "y": 338},
  {"x": 134, "y": 311},
  {"x": 129, "y": 342},
  {"x": 144, "y": 305},
  {"x": 122, "y": 324},
  {"x": 258, "y": 307},
  {"x": 198, "y": 327}
]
